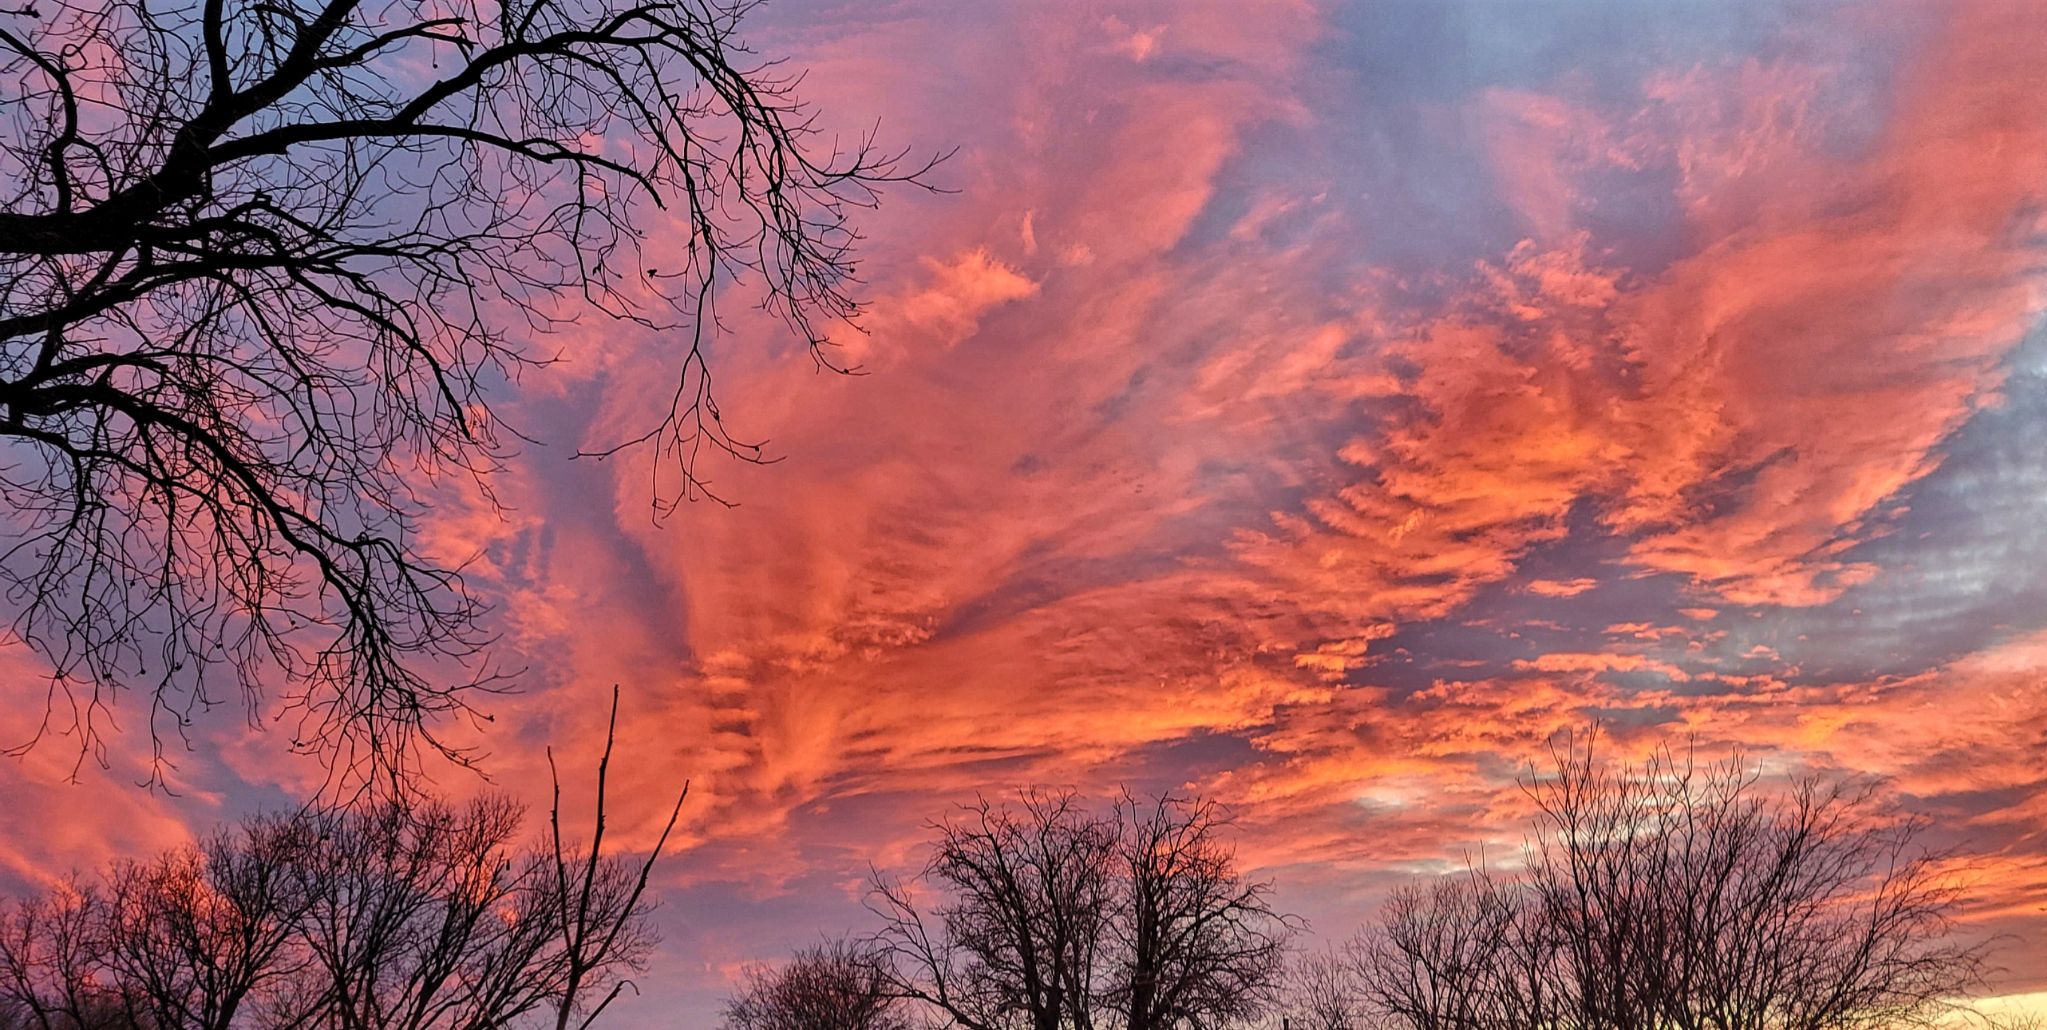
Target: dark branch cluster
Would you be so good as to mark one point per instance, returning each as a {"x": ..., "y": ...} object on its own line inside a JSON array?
[
  {"x": 262, "y": 263},
  {"x": 838, "y": 984}
]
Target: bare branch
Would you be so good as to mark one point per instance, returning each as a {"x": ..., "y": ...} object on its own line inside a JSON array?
[{"x": 248, "y": 329}]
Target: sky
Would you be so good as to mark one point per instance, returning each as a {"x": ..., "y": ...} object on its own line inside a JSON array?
[{"x": 1315, "y": 406}]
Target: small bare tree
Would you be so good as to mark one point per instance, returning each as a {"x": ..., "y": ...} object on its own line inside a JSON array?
[
  {"x": 594, "y": 905},
  {"x": 1057, "y": 917},
  {"x": 1681, "y": 893},
  {"x": 837, "y": 985},
  {"x": 261, "y": 265},
  {"x": 1321, "y": 993}
]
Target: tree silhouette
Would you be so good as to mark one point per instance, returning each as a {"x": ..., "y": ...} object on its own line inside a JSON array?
[
  {"x": 1320, "y": 993},
  {"x": 1682, "y": 893},
  {"x": 407, "y": 914},
  {"x": 1059, "y": 917},
  {"x": 1196, "y": 944},
  {"x": 263, "y": 264},
  {"x": 1027, "y": 915},
  {"x": 837, "y": 985}
]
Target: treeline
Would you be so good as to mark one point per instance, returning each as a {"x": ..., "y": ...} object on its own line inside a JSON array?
[
  {"x": 407, "y": 914},
  {"x": 414, "y": 917},
  {"x": 1676, "y": 893}
]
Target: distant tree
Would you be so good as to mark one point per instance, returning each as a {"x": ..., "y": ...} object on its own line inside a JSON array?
[
  {"x": 1680, "y": 893},
  {"x": 2012, "y": 1021},
  {"x": 1054, "y": 916},
  {"x": 262, "y": 265},
  {"x": 837, "y": 985},
  {"x": 397, "y": 916},
  {"x": 1321, "y": 993}
]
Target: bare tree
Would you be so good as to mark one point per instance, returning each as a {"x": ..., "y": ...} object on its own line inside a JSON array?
[
  {"x": 198, "y": 935},
  {"x": 1321, "y": 993},
  {"x": 49, "y": 950},
  {"x": 1056, "y": 917},
  {"x": 1020, "y": 935},
  {"x": 397, "y": 916},
  {"x": 2011, "y": 1021},
  {"x": 1198, "y": 945},
  {"x": 837, "y": 985},
  {"x": 1682, "y": 893},
  {"x": 1442, "y": 957},
  {"x": 261, "y": 265}
]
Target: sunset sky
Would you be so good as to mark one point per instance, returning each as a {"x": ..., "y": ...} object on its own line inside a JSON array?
[{"x": 1316, "y": 406}]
